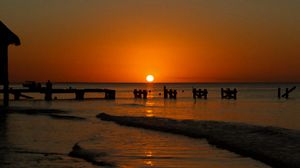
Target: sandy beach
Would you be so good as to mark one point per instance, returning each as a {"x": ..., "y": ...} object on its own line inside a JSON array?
[
  {"x": 38, "y": 138},
  {"x": 277, "y": 147},
  {"x": 51, "y": 138}
]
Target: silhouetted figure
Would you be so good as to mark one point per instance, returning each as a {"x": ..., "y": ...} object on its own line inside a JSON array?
[
  {"x": 7, "y": 37},
  {"x": 48, "y": 94},
  {"x": 49, "y": 85}
]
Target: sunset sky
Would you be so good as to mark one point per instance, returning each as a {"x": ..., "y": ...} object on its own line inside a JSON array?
[{"x": 175, "y": 40}]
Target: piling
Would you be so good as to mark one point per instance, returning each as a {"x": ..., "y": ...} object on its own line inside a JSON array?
[
  {"x": 172, "y": 94},
  {"x": 138, "y": 94},
  {"x": 228, "y": 93},
  {"x": 279, "y": 93},
  {"x": 166, "y": 92},
  {"x": 200, "y": 93},
  {"x": 287, "y": 92}
]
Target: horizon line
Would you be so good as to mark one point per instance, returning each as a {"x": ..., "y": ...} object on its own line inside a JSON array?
[{"x": 288, "y": 82}]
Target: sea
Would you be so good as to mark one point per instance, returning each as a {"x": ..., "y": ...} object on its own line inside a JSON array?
[{"x": 37, "y": 140}]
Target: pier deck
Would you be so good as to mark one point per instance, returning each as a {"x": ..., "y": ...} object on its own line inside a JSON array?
[{"x": 79, "y": 93}]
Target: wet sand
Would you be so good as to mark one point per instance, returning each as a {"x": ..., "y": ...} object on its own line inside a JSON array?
[
  {"x": 275, "y": 146},
  {"x": 92, "y": 156},
  {"x": 53, "y": 113},
  {"x": 33, "y": 111},
  {"x": 30, "y": 138},
  {"x": 199, "y": 129}
]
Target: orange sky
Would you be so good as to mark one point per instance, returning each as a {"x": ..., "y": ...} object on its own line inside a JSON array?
[{"x": 175, "y": 40}]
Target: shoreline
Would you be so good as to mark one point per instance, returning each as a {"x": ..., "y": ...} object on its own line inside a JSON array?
[{"x": 277, "y": 147}]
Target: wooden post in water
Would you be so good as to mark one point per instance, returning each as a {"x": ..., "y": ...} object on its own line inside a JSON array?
[
  {"x": 202, "y": 93},
  {"x": 140, "y": 94},
  {"x": 287, "y": 92},
  {"x": 222, "y": 93},
  {"x": 228, "y": 93},
  {"x": 166, "y": 92},
  {"x": 7, "y": 37}
]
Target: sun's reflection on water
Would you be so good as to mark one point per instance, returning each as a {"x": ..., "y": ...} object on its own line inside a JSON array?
[
  {"x": 148, "y": 161},
  {"x": 149, "y": 113},
  {"x": 148, "y": 153},
  {"x": 149, "y": 103}
]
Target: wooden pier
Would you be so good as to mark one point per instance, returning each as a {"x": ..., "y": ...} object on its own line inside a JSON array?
[{"x": 79, "y": 93}]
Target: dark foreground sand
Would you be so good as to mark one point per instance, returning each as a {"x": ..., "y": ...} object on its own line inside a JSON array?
[{"x": 277, "y": 147}]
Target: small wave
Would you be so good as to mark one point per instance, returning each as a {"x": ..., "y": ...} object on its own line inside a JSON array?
[
  {"x": 93, "y": 156},
  {"x": 38, "y": 153},
  {"x": 66, "y": 117},
  {"x": 53, "y": 113},
  {"x": 277, "y": 147},
  {"x": 35, "y": 111}
]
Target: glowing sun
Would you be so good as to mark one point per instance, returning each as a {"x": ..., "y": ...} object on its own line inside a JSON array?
[{"x": 150, "y": 78}]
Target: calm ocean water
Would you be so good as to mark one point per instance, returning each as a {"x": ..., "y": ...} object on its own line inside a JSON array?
[{"x": 37, "y": 140}]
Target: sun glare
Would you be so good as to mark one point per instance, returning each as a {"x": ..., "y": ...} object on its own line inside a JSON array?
[{"x": 150, "y": 78}]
